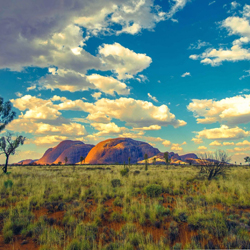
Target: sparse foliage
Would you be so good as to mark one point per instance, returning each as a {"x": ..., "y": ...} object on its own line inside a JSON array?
[
  {"x": 82, "y": 159},
  {"x": 146, "y": 161},
  {"x": 214, "y": 164},
  {"x": 66, "y": 160},
  {"x": 6, "y": 114},
  {"x": 247, "y": 159},
  {"x": 154, "y": 161},
  {"x": 166, "y": 158},
  {"x": 8, "y": 147}
]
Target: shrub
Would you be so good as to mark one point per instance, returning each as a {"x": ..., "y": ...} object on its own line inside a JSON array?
[
  {"x": 116, "y": 183},
  {"x": 118, "y": 202},
  {"x": 173, "y": 231},
  {"x": 124, "y": 172},
  {"x": 8, "y": 184},
  {"x": 8, "y": 236},
  {"x": 153, "y": 190},
  {"x": 177, "y": 246},
  {"x": 116, "y": 217}
]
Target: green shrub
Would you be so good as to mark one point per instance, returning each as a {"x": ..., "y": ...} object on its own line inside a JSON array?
[
  {"x": 8, "y": 236},
  {"x": 177, "y": 246},
  {"x": 8, "y": 184},
  {"x": 173, "y": 231},
  {"x": 78, "y": 245},
  {"x": 118, "y": 202},
  {"x": 116, "y": 183},
  {"x": 124, "y": 172},
  {"x": 153, "y": 190},
  {"x": 116, "y": 217}
]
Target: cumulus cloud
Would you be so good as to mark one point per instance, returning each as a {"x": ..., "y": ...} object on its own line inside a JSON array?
[
  {"x": 96, "y": 95},
  {"x": 42, "y": 33},
  {"x": 152, "y": 127},
  {"x": 166, "y": 143},
  {"x": 197, "y": 140},
  {"x": 202, "y": 148},
  {"x": 228, "y": 143},
  {"x": 107, "y": 129},
  {"x": 135, "y": 113},
  {"x": 123, "y": 61},
  {"x": 235, "y": 25},
  {"x": 176, "y": 147},
  {"x": 223, "y": 133},
  {"x": 215, "y": 143},
  {"x": 152, "y": 97},
  {"x": 244, "y": 143},
  {"x": 233, "y": 110}
]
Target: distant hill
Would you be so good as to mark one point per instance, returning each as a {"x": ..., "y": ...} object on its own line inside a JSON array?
[
  {"x": 26, "y": 162},
  {"x": 110, "y": 151},
  {"x": 118, "y": 150},
  {"x": 73, "y": 150},
  {"x": 174, "y": 158}
]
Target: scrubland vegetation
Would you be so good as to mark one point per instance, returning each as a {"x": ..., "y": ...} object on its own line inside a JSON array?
[{"x": 109, "y": 207}]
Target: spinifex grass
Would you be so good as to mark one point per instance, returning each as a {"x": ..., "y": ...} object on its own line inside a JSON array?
[{"x": 95, "y": 207}]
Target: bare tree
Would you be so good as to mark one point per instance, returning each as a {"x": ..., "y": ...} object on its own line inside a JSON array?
[
  {"x": 214, "y": 164},
  {"x": 8, "y": 147}
]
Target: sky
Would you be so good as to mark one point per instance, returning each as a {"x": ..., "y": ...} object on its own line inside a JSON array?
[{"x": 175, "y": 74}]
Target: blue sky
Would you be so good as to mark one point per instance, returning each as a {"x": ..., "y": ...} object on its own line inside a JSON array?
[{"x": 172, "y": 73}]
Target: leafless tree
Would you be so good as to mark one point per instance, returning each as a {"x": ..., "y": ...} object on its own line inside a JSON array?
[{"x": 214, "y": 164}]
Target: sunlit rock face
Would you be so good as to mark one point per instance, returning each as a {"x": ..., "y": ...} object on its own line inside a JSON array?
[
  {"x": 74, "y": 153},
  {"x": 73, "y": 150},
  {"x": 118, "y": 150}
]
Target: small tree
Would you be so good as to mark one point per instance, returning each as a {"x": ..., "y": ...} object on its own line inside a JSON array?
[
  {"x": 82, "y": 159},
  {"x": 8, "y": 147},
  {"x": 6, "y": 114},
  {"x": 214, "y": 164},
  {"x": 166, "y": 158},
  {"x": 247, "y": 159},
  {"x": 146, "y": 161},
  {"x": 66, "y": 160},
  {"x": 154, "y": 161},
  {"x": 129, "y": 161}
]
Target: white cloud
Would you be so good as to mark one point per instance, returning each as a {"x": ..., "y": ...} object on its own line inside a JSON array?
[
  {"x": 228, "y": 143},
  {"x": 211, "y": 3},
  {"x": 198, "y": 45},
  {"x": 166, "y": 143},
  {"x": 222, "y": 133},
  {"x": 233, "y": 110},
  {"x": 202, "y": 148},
  {"x": 235, "y": 25},
  {"x": 96, "y": 95},
  {"x": 247, "y": 75},
  {"x": 135, "y": 113},
  {"x": 215, "y": 143},
  {"x": 152, "y": 97},
  {"x": 177, "y": 5},
  {"x": 122, "y": 61},
  {"x": 152, "y": 127},
  {"x": 235, "y": 5},
  {"x": 186, "y": 74},
  {"x": 107, "y": 129},
  {"x": 108, "y": 85},
  {"x": 176, "y": 147},
  {"x": 197, "y": 140},
  {"x": 37, "y": 33},
  {"x": 244, "y": 143},
  {"x": 18, "y": 94}
]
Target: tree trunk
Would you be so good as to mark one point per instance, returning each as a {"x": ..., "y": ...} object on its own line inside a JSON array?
[{"x": 6, "y": 164}]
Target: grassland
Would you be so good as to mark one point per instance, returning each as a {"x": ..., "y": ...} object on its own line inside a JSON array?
[{"x": 95, "y": 207}]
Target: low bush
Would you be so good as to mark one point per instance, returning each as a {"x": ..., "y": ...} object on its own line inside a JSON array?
[
  {"x": 153, "y": 190},
  {"x": 124, "y": 172},
  {"x": 116, "y": 183}
]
